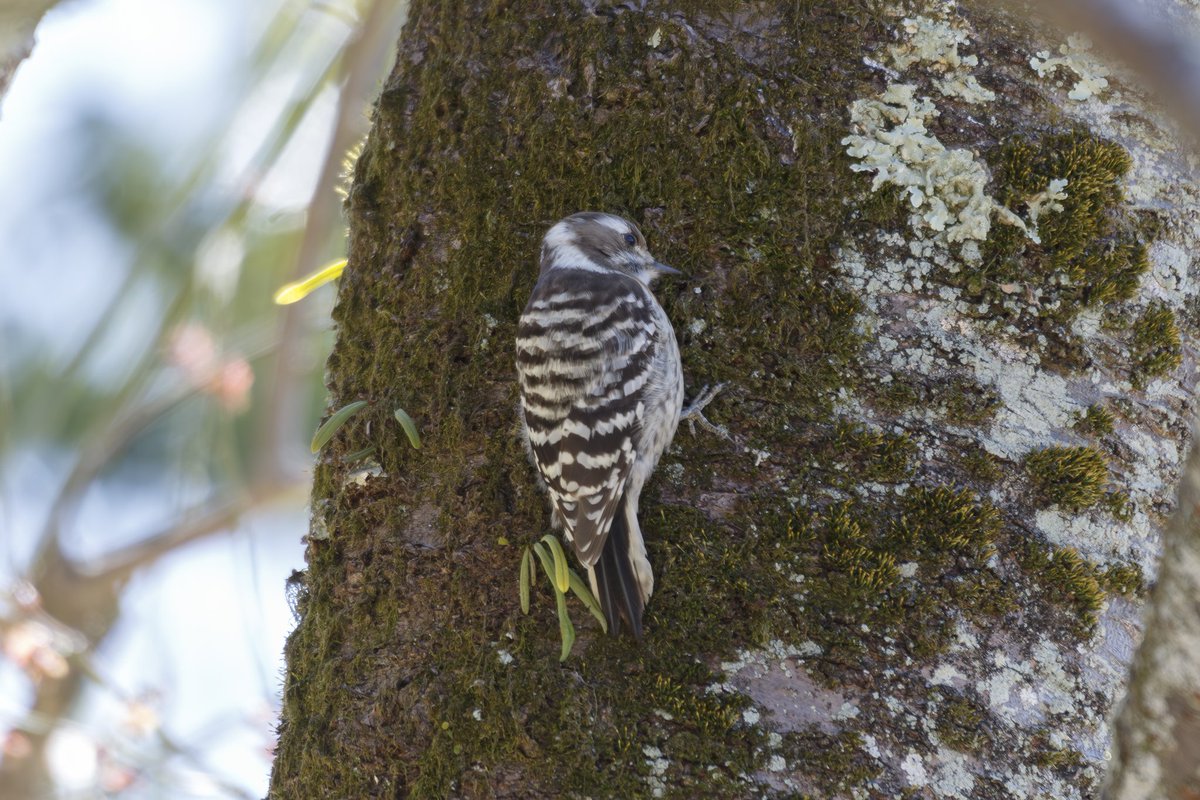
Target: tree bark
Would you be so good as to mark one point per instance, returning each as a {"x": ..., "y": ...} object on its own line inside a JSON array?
[{"x": 957, "y": 396}]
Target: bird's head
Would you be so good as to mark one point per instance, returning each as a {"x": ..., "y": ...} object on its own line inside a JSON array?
[{"x": 595, "y": 241}]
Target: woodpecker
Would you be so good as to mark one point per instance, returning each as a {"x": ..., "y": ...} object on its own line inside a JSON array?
[{"x": 601, "y": 395}]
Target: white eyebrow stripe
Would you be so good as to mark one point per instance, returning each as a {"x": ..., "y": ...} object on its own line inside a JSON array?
[{"x": 614, "y": 223}]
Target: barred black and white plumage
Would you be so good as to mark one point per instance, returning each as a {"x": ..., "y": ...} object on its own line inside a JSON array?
[{"x": 601, "y": 393}]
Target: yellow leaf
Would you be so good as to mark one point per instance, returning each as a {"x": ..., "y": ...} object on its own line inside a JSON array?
[{"x": 300, "y": 289}]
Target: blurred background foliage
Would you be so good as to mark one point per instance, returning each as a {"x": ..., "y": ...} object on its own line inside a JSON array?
[{"x": 166, "y": 165}]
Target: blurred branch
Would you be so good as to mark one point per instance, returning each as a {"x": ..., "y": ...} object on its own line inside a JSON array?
[
  {"x": 40, "y": 725},
  {"x": 95, "y": 335},
  {"x": 193, "y": 524},
  {"x": 1143, "y": 37},
  {"x": 118, "y": 431},
  {"x": 88, "y": 600},
  {"x": 360, "y": 64},
  {"x": 111, "y": 431},
  {"x": 18, "y": 19},
  {"x": 274, "y": 144}
]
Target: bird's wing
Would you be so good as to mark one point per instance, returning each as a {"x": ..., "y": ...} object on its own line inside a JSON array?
[{"x": 584, "y": 353}]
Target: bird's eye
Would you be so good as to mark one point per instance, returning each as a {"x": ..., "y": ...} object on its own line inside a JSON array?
[{"x": 630, "y": 240}]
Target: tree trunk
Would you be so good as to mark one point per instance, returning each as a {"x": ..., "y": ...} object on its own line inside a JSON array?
[
  {"x": 955, "y": 395},
  {"x": 1156, "y": 748}
]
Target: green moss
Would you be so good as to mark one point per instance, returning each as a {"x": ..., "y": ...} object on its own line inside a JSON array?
[
  {"x": 1096, "y": 421},
  {"x": 962, "y": 400},
  {"x": 895, "y": 396},
  {"x": 851, "y": 560},
  {"x": 1092, "y": 252},
  {"x": 870, "y": 455},
  {"x": 1156, "y": 345},
  {"x": 868, "y": 572},
  {"x": 980, "y": 465},
  {"x": 1071, "y": 581},
  {"x": 839, "y": 759},
  {"x": 966, "y": 403},
  {"x": 1063, "y": 759},
  {"x": 936, "y": 521},
  {"x": 1067, "y": 579},
  {"x": 1118, "y": 504},
  {"x": 1124, "y": 579},
  {"x": 1094, "y": 170},
  {"x": 1073, "y": 477},
  {"x": 959, "y": 723}
]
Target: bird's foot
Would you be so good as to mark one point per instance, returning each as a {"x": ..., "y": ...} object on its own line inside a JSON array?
[{"x": 694, "y": 413}]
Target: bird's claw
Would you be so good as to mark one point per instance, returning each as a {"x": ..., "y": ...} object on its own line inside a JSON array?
[{"x": 694, "y": 413}]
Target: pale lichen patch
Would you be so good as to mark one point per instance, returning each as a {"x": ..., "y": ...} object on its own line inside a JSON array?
[
  {"x": 945, "y": 188},
  {"x": 657, "y": 767},
  {"x": 934, "y": 43},
  {"x": 1091, "y": 77},
  {"x": 952, "y": 778},
  {"x": 914, "y": 769},
  {"x": 1044, "y": 202},
  {"x": 1169, "y": 280}
]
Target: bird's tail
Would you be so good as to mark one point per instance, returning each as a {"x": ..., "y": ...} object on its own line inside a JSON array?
[{"x": 621, "y": 578}]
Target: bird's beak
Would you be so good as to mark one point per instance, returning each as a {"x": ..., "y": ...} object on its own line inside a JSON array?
[{"x": 663, "y": 269}]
